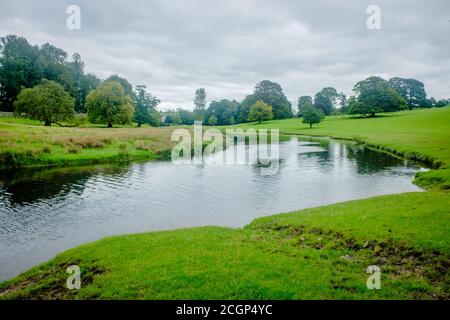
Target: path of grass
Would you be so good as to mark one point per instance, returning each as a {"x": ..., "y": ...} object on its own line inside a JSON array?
[
  {"x": 319, "y": 253},
  {"x": 422, "y": 135}
]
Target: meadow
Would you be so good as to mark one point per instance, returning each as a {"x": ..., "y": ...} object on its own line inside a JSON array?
[{"x": 318, "y": 253}]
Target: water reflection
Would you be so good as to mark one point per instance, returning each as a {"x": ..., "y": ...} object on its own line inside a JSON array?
[{"x": 43, "y": 212}]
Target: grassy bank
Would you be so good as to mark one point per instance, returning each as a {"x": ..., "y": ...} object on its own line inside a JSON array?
[
  {"x": 27, "y": 143},
  {"x": 319, "y": 253},
  {"x": 422, "y": 135}
]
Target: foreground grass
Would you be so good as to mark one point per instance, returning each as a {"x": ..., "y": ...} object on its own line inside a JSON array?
[
  {"x": 319, "y": 253},
  {"x": 26, "y": 143},
  {"x": 422, "y": 135}
]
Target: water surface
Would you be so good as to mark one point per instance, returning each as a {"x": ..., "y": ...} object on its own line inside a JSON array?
[{"x": 44, "y": 212}]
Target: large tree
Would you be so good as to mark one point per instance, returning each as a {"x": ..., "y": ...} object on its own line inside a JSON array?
[
  {"x": 145, "y": 107},
  {"x": 260, "y": 111},
  {"x": 109, "y": 104},
  {"x": 224, "y": 110},
  {"x": 127, "y": 86},
  {"x": 412, "y": 90},
  {"x": 20, "y": 66},
  {"x": 303, "y": 103},
  {"x": 272, "y": 94},
  {"x": 374, "y": 95},
  {"x": 47, "y": 102}
]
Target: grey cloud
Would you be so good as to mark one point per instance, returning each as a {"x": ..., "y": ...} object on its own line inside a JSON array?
[{"x": 228, "y": 46}]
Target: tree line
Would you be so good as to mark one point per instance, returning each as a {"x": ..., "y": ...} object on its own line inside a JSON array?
[{"x": 44, "y": 84}]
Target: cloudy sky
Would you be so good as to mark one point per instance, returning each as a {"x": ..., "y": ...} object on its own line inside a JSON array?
[{"x": 176, "y": 46}]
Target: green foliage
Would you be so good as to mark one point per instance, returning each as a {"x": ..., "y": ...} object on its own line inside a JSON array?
[
  {"x": 412, "y": 90},
  {"x": 260, "y": 111},
  {"x": 46, "y": 102},
  {"x": 212, "y": 120},
  {"x": 224, "y": 110},
  {"x": 374, "y": 95},
  {"x": 318, "y": 253},
  {"x": 303, "y": 103},
  {"x": 145, "y": 107},
  {"x": 272, "y": 94},
  {"x": 109, "y": 104},
  {"x": 325, "y": 99},
  {"x": 23, "y": 65},
  {"x": 200, "y": 104},
  {"x": 312, "y": 115}
]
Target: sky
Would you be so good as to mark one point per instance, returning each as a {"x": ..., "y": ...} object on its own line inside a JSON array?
[{"x": 226, "y": 47}]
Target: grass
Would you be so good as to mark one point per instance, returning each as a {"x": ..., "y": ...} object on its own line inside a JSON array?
[
  {"x": 422, "y": 135},
  {"x": 26, "y": 143},
  {"x": 319, "y": 253}
]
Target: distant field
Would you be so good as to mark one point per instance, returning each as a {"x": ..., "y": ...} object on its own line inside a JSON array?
[{"x": 422, "y": 134}]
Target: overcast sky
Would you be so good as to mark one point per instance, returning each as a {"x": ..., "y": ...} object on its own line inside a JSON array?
[{"x": 176, "y": 46}]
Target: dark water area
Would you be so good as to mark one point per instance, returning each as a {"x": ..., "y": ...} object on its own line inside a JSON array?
[{"x": 46, "y": 211}]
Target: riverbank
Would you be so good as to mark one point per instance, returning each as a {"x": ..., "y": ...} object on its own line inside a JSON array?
[
  {"x": 319, "y": 253},
  {"x": 26, "y": 143}
]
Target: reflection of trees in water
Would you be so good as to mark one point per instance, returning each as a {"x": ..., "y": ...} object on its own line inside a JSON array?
[
  {"x": 32, "y": 185},
  {"x": 370, "y": 161},
  {"x": 367, "y": 161}
]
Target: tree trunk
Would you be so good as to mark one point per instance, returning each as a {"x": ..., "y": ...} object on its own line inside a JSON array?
[
  {"x": 372, "y": 115},
  {"x": 47, "y": 123},
  {"x": 109, "y": 125},
  {"x": 310, "y": 125},
  {"x": 139, "y": 125}
]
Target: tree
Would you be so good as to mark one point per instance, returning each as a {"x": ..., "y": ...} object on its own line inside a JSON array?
[
  {"x": 376, "y": 96},
  {"x": 260, "y": 111},
  {"x": 303, "y": 103},
  {"x": 109, "y": 104},
  {"x": 145, "y": 107},
  {"x": 186, "y": 117},
  {"x": 200, "y": 103},
  {"x": 357, "y": 107},
  {"x": 272, "y": 94},
  {"x": 46, "y": 102},
  {"x": 412, "y": 90},
  {"x": 19, "y": 67},
  {"x": 312, "y": 115},
  {"x": 127, "y": 87},
  {"x": 224, "y": 110},
  {"x": 212, "y": 120},
  {"x": 322, "y": 102}
]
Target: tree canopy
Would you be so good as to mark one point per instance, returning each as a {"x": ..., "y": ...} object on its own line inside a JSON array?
[
  {"x": 272, "y": 94},
  {"x": 412, "y": 90},
  {"x": 145, "y": 107},
  {"x": 47, "y": 102},
  {"x": 303, "y": 103},
  {"x": 374, "y": 95},
  {"x": 109, "y": 104},
  {"x": 24, "y": 65},
  {"x": 260, "y": 111},
  {"x": 312, "y": 115}
]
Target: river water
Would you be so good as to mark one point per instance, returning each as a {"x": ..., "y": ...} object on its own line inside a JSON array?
[{"x": 44, "y": 212}]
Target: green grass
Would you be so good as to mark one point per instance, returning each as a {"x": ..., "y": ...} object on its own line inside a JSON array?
[
  {"x": 319, "y": 253},
  {"x": 422, "y": 135},
  {"x": 27, "y": 143}
]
